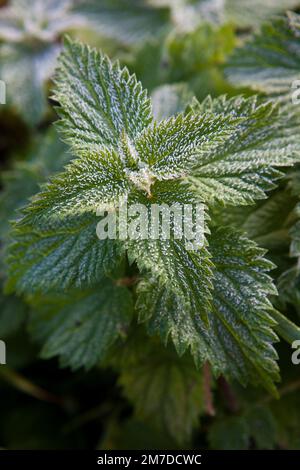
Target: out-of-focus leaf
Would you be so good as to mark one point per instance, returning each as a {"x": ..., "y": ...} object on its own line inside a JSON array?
[
  {"x": 13, "y": 313},
  {"x": 31, "y": 32},
  {"x": 270, "y": 61},
  {"x": 82, "y": 330},
  {"x": 239, "y": 314},
  {"x": 129, "y": 21},
  {"x": 169, "y": 100},
  {"x": 166, "y": 391}
]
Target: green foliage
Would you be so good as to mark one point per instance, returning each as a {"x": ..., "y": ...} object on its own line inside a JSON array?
[
  {"x": 36, "y": 169},
  {"x": 193, "y": 56},
  {"x": 135, "y": 341},
  {"x": 166, "y": 391},
  {"x": 12, "y": 314},
  {"x": 221, "y": 150},
  {"x": 128, "y": 21},
  {"x": 238, "y": 169},
  {"x": 82, "y": 331},
  {"x": 235, "y": 433},
  {"x": 30, "y": 31},
  {"x": 238, "y": 342},
  {"x": 270, "y": 61},
  {"x": 169, "y": 100},
  {"x": 187, "y": 14}
]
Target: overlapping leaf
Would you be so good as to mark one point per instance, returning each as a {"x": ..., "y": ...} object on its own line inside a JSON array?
[
  {"x": 46, "y": 157},
  {"x": 234, "y": 433},
  {"x": 60, "y": 257},
  {"x": 238, "y": 342}
]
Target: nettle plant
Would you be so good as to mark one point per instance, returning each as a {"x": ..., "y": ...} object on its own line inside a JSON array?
[{"x": 152, "y": 309}]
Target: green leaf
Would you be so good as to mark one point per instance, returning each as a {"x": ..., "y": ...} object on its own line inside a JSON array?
[
  {"x": 30, "y": 31},
  {"x": 239, "y": 166},
  {"x": 57, "y": 233},
  {"x": 25, "y": 72},
  {"x": 238, "y": 341},
  {"x": 82, "y": 329},
  {"x": 247, "y": 14},
  {"x": 288, "y": 286},
  {"x": 169, "y": 100},
  {"x": 128, "y": 21},
  {"x": 289, "y": 281},
  {"x": 172, "y": 148},
  {"x": 186, "y": 274},
  {"x": 13, "y": 313},
  {"x": 99, "y": 100},
  {"x": 47, "y": 155},
  {"x": 18, "y": 186},
  {"x": 26, "y": 20},
  {"x": 186, "y": 271},
  {"x": 268, "y": 222},
  {"x": 190, "y": 53},
  {"x": 225, "y": 149},
  {"x": 295, "y": 234},
  {"x": 166, "y": 391},
  {"x": 234, "y": 433},
  {"x": 62, "y": 256},
  {"x": 262, "y": 426},
  {"x": 286, "y": 414},
  {"x": 270, "y": 61},
  {"x": 63, "y": 252},
  {"x": 188, "y": 14},
  {"x": 56, "y": 238},
  {"x": 285, "y": 328},
  {"x": 230, "y": 434}
]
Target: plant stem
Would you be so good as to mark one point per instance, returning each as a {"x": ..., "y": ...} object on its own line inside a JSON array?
[
  {"x": 207, "y": 393},
  {"x": 228, "y": 394},
  {"x": 21, "y": 383},
  {"x": 286, "y": 328}
]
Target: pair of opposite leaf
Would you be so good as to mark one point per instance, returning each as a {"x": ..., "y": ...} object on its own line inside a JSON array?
[{"x": 213, "y": 301}]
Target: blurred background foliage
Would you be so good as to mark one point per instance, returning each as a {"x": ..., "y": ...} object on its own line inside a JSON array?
[{"x": 178, "y": 49}]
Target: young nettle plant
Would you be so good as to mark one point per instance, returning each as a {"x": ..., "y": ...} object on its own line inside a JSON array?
[{"x": 212, "y": 302}]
